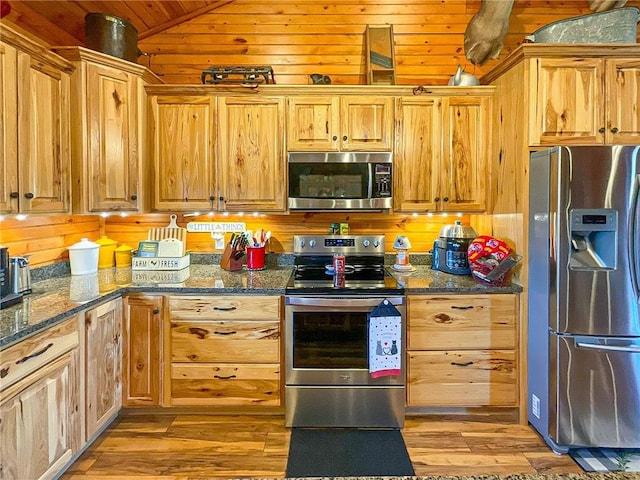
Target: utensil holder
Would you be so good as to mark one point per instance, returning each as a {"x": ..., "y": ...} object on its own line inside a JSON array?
[{"x": 228, "y": 261}]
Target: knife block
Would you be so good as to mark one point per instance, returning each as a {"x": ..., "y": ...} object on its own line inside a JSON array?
[{"x": 228, "y": 262}]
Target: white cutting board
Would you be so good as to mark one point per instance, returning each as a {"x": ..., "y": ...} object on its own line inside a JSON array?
[{"x": 170, "y": 247}]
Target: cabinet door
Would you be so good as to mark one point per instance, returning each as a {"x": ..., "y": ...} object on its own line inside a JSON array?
[
  {"x": 112, "y": 151},
  {"x": 313, "y": 124},
  {"x": 623, "y": 87},
  {"x": 36, "y": 424},
  {"x": 418, "y": 153},
  {"x": 252, "y": 160},
  {"x": 366, "y": 123},
  {"x": 103, "y": 327},
  {"x": 183, "y": 138},
  {"x": 466, "y": 146},
  {"x": 43, "y": 136},
  {"x": 141, "y": 360},
  {"x": 568, "y": 102},
  {"x": 8, "y": 130}
]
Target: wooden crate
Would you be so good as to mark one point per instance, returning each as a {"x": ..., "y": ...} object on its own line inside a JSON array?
[{"x": 379, "y": 55}]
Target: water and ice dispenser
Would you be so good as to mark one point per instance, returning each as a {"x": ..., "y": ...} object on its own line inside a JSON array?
[{"x": 594, "y": 239}]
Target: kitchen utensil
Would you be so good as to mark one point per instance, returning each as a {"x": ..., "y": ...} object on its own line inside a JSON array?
[
  {"x": 450, "y": 248},
  {"x": 83, "y": 257},
  {"x": 170, "y": 247},
  {"x": 106, "y": 254},
  {"x": 463, "y": 79},
  {"x": 173, "y": 230},
  {"x": 123, "y": 256},
  {"x": 20, "y": 275},
  {"x": 112, "y": 35}
]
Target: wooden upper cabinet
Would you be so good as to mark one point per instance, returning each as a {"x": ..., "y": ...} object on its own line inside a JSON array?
[
  {"x": 35, "y": 158},
  {"x": 251, "y": 154},
  {"x": 183, "y": 136},
  {"x": 418, "y": 154},
  {"x": 9, "y": 129},
  {"x": 347, "y": 123},
  {"x": 622, "y": 112},
  {"x": 585, "y": 101},
  {"x": 105, "y": 131},
  {"x": 441, "y": 154}
]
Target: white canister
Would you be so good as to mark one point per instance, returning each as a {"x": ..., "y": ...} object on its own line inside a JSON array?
[{"x": 83, "y": 257}]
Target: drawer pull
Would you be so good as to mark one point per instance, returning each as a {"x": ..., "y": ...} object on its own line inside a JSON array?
[
  {"x": 220, "y": 377},
  {"x": 232, "y": 332},
  {"x": 224, "y": 309},
  {"x": 460, "y": 364},
  {"x": 455, "y": 307},
  {"x": 34, "y": 354}
]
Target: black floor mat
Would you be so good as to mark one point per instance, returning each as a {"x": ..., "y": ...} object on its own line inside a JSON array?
[{"x": 347, "y": 452}]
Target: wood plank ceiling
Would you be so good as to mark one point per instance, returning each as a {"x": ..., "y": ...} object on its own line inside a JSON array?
[{"x": 295, "y": 37}]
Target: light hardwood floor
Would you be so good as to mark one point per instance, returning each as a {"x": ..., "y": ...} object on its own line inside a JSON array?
[{"x": 193, "y": 447}]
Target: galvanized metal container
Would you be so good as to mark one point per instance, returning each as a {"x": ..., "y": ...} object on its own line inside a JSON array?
[
  {"x": 618, "y": 25},
  {"x": 111, "y": 35}
]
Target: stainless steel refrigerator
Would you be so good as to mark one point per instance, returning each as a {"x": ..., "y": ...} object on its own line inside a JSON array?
[{"x": 584, "y": 294}]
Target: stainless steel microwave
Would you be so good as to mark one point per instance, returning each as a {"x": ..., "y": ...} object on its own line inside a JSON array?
[{"x": 340, "y": 181}]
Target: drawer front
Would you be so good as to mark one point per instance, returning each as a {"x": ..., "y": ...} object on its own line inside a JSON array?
[
  {"x": 233, "y": 341},
  {"x": 462, "y": 378},
  {"x": 225, "y": 385},
  {"x": 462, "y": 321},
  {"x": 266, "y": 307},
  {"x": 24, "y": 358}
]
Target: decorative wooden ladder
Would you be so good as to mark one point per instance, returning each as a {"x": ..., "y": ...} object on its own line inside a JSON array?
[{"x": 380, "y": 59}]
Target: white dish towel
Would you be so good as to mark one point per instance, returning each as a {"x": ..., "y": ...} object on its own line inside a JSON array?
[{"x": 385, "y": 347}]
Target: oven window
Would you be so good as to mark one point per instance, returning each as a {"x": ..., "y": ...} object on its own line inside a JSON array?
[
  {"x": 330, "y": 340},
  {"x": 328, "y": 180}
]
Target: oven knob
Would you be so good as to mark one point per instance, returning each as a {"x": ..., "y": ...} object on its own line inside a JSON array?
[
  {"x": 376, "y": 243},
  {"x": 366, "y": 243},
  {"x": 312, "y": 243},
  {"x": 301, "y": 243}
]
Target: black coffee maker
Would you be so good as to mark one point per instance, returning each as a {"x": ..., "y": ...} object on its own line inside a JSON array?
[{"x": 7, "y": 297}]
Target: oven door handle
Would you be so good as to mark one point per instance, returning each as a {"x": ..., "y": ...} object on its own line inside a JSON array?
[{"x": 340, "y": 301}]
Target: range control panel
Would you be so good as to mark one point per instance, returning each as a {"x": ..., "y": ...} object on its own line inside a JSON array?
[{"x": 347, "y": 244}]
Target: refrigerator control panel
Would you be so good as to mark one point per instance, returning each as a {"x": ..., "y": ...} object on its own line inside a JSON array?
[{"x": 594, "y": 220}]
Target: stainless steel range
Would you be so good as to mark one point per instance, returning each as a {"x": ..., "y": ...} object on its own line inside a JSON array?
[{"x": 327, "y": 379}]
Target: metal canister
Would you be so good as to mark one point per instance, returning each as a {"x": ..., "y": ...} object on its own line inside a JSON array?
[{"x": 338, "y": 263}]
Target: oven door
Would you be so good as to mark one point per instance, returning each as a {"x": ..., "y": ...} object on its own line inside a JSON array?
[{"x": 326, "y": 339}]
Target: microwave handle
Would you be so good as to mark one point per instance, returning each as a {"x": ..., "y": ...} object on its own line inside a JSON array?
[{"x": 370, "y": 182}]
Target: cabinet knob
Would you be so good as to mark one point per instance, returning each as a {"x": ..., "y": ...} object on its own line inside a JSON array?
[
  {"x": 614, "y": 130},
  {"x": 221, "y": 198},
  {"x": 335, "y": 137},
  {"x": 344, "y": 138},
  {"x": 212, "y": 198},
  {"x": 156, "y": 311},
  {"x": 602, "y": 130},
  {"x": 437, "y": 199},
  {"x": 134, "y": 197},
  {"x": 14, "y": 195},
  {"x": 29, "y": 195},
  {"x": 446, "y": 199}
]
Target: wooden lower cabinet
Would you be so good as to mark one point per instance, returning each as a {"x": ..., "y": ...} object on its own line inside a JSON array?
[
  {"x": 103, "y": 358},
  {"x": 39, "y": 420},
  {"x": 462, "y": 350},
  {"x": 223, "y": 350},
  {"x": 142, "y": 350}
]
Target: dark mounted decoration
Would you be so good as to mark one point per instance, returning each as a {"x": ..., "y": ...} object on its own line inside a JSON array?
[
  {"x": 319, "y": 79},
  {"x": 244, "y": 75}
]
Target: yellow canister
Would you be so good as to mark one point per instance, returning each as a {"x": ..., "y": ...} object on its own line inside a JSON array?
[
  {"x": 106, "y": 258},
  {"x": 123, "y": 256}
]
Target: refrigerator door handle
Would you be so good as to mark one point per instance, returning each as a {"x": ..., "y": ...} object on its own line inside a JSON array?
[
  {"x": 634, "y": 237},
  {"x": 610, "y": 348}
]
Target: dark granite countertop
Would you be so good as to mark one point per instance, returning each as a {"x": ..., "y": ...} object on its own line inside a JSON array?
[{"x": 57, "y": 298}]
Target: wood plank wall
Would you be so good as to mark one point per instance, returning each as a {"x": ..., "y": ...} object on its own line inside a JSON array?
[
  {"x": 46, "y": 238},
  {"x": 302, "y": 37}
]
